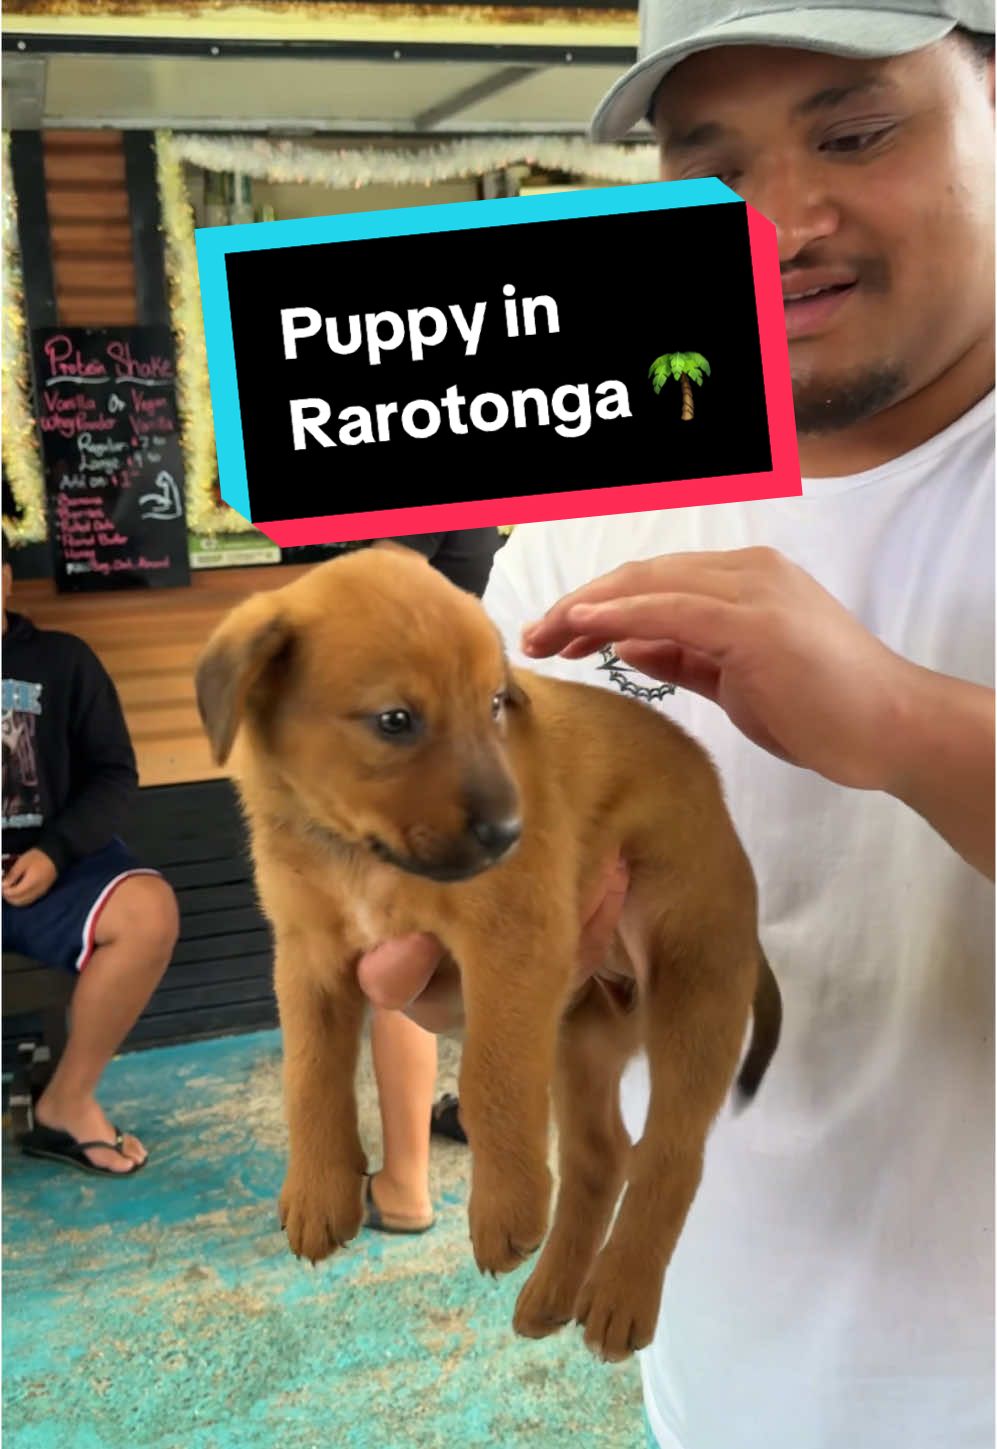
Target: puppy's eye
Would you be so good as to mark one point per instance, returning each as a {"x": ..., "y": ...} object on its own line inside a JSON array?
[
  {"x": 395, "y": 722},
  {"x": 498, "y": 704}
]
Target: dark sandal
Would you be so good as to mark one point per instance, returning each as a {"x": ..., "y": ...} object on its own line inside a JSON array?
[
  {"x": 445, "y": 1120},
  {"x": 374, "y": 1220},
  {"x": 58, "y": 1146}
]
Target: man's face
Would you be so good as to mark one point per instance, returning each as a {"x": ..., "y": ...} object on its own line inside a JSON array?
[{"x": 879, "y": 178}]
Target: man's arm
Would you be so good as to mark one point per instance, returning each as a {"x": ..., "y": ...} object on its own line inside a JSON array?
[
  {"x": 800, "y": 676},
  {"x": 944, "y": 765},
  {"x": 102, "y": 768}
]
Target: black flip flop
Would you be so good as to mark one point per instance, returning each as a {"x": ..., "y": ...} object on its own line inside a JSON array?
[
  {"x": 374, "y": 1220},
  {"x": 445, "y": 1120},
  {"x": 58, "y": 1146}
]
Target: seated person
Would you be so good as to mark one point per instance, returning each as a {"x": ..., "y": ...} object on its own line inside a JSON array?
[{"x": 74, "y": 897}]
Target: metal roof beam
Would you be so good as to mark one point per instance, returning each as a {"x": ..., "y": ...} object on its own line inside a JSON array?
[
  {"x": 462, "y": 100},
  {"x": 536, "y": 55}
]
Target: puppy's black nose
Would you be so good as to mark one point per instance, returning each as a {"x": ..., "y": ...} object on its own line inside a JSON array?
[{"x": 497, "y": 836}]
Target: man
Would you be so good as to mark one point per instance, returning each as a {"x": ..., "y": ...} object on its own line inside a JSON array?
[
  {"x": 73, "y": 896},
  {"x": 834, "y": 1282}
]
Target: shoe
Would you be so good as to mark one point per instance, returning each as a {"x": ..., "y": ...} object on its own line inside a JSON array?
[
  {"x": 445, "y": 1120},
  {"x": 374, "y": 1218},
  {"x": 59, "y": 1146}
]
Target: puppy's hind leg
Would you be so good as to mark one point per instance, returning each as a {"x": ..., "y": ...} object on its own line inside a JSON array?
[
  {"x": 595, "y": 1042},
  {"x": 695, "y": 1011}
]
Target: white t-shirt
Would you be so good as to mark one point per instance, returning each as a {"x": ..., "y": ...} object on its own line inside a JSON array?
[{"x": 833, "y": 1286}]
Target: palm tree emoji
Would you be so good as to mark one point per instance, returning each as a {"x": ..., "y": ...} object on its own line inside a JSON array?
[{"x": 682, "y": 366}]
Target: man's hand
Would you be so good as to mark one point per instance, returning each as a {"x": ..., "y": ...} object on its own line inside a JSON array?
[
  {"x": 412, "y": 973},
  {"x": 797, "y": 674},
  {"x": 31, "y": 875}
]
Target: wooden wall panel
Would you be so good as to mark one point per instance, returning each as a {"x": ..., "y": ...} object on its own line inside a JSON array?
[
  {"x": 102, "y": 237},
  {"x": 88, "y": 209},
  {"x": 71, "y": 205}
]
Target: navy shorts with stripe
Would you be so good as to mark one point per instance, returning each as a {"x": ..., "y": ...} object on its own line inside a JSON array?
[{"x": 59, "y": 929}]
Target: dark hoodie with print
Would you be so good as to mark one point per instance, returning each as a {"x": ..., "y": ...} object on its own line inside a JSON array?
[{"x": 69, "y": 776}]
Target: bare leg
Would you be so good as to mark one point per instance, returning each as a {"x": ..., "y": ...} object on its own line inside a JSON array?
[
  {"x": 593, "y": 1144},
  {"x": 135, "y": 936},
  {"x": 405, "y": 1064}
]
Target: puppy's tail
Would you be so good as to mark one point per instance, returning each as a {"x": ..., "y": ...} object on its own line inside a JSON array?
[{"x": 765, "y": 1032}]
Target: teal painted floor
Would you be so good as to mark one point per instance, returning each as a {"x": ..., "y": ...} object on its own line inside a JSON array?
[{"x": 167, "y": 1310}]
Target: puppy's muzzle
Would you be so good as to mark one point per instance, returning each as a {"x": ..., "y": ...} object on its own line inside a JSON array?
[{"x": 484, "y": 843}]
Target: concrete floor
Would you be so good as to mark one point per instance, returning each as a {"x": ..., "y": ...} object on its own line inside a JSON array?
[{"x": 168, "y": 1311}]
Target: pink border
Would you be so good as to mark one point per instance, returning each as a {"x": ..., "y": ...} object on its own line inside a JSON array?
[
  {"x": 776, "y": 376},
  {"x": 782, "y": 482}
]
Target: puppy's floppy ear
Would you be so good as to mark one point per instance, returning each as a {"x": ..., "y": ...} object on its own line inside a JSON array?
[{"x": 235, "y": 659}]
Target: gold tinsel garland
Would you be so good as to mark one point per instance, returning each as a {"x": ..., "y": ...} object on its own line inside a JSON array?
[
  {"x": 21, "y": 456},
  {"x": 344, "y": 169},
  {"x": 204, "y": 513},
  {"x": 341, "y": 169},
  {"x": 350, "y": 168}
]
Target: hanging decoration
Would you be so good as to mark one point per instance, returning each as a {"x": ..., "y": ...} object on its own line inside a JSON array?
[
  {"x": 21, "y": 454},
  {"x": 349, "y": 169},
  {"x": 340, "y": 169},
  {"x": 206, "y": 515}
]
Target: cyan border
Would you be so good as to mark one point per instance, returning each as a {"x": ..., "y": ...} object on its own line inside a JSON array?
[{"x": 215, "y": 244}]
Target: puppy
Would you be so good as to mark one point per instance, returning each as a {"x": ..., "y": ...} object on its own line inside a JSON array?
[{"x": 398, "y": 776}]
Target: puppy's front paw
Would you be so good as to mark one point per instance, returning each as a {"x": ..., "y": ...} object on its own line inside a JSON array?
[
  {"x": 321, "y": 1212},
  {"x": 508, "y": 1217},
  {"x": 547, "y": 1299},
  {"x": 618, "y": 1307}
]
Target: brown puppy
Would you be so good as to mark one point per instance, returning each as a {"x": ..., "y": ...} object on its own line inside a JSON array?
[{"x": 399, "y": 777}]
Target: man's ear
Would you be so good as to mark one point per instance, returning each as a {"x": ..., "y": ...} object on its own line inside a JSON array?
[{"x": 235, "y": 659}]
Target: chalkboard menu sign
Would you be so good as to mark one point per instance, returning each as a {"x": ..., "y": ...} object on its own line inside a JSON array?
[{"x": 106, "y": 408}]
